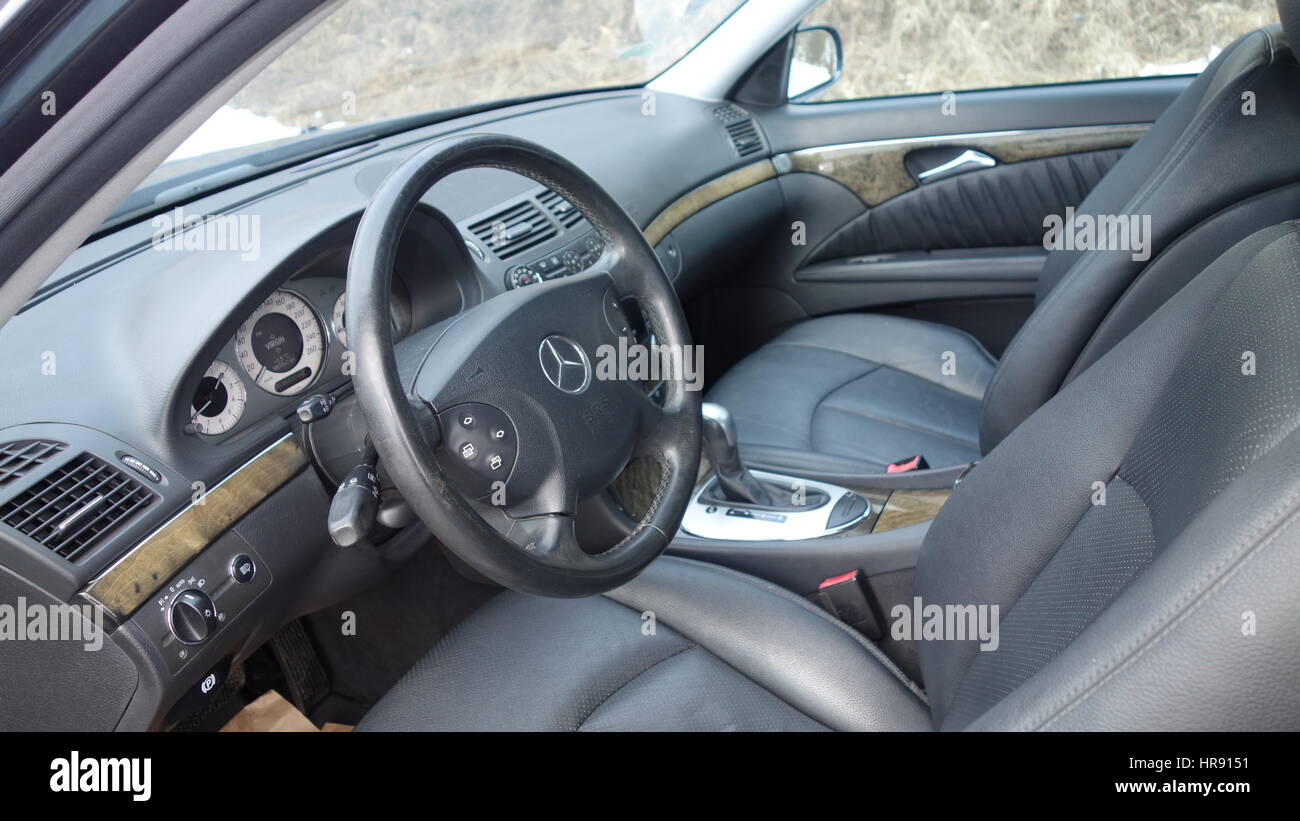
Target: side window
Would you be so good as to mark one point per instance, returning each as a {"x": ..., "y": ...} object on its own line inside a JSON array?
[{"x": 894, "y": 47}]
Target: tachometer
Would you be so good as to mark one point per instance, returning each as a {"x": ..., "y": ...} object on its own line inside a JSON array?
[
  {"x": 336, "y": 321},
  {"x": 282, "y": 345},
  {"x": 400, "y": 319},
  {"x": 219, "y": 401}
]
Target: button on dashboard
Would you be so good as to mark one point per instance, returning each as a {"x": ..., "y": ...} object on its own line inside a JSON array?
[{"x": 242, "y": 569}]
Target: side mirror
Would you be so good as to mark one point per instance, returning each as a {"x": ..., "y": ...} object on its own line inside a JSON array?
[{"x": 816, "y": 60}]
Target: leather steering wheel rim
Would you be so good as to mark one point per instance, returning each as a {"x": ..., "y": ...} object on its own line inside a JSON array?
[{"x": 570, "y": 443}]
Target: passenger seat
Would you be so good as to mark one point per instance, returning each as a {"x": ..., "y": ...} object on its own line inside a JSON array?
[{"x": 846, "y": 395}]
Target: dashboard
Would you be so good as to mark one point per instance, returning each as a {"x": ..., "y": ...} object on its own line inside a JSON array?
[{"x": 177, "y": 372}]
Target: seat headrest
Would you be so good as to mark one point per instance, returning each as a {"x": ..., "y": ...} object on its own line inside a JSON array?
[{"x": 1289, "y": 12}]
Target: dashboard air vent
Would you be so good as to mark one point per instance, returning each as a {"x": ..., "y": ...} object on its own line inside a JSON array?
[
  {"x": 744, "y": 136},
  {"x": 740, "y": 129},
  {"x": 560, "y": 208},
  {"x": 514, "y": 230},
  {"x": 17, "y": 459},
  {"x": 76, "y": 506}
]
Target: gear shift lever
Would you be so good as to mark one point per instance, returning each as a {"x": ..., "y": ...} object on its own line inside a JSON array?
[{"x": 735, "y": 480}]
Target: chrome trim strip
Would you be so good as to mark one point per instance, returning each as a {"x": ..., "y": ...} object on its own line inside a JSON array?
[{"x": 77, "y": 514}]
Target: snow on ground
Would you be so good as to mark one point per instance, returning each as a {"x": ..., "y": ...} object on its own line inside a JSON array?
[
  {"x": 1190, "y": 67},
  {"x": 232, "y": 127}
]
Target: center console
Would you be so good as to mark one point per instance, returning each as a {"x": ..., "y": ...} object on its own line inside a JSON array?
[
  {"x": 797, "y": 509},
  {"x": 799, "y": 531}
]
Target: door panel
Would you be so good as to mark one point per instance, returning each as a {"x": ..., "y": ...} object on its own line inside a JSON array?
[
  {"x": 865, "y": 233},
  {"x": 990, "y": 208}
]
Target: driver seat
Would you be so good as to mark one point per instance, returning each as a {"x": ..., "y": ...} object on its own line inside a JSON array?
[{"x": 1139, "y": 535}]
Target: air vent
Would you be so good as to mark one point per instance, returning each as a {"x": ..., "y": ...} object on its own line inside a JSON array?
[
  {"x": 744, "y": 136},
  {"x": 76, "y": 506},
  {"x": 740, "y": 128},
  {"x": 560, "y": 208},
  {"x": 17, "y": 459},
  {"x": 514, "y": 230}
]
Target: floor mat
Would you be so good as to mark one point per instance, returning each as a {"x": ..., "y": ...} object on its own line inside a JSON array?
[{"x": 272, "y": 713}]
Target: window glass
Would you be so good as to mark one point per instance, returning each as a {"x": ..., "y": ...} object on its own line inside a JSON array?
[
  {"x": 896, "y": 47},
  {"x": 376, "y": 59}
]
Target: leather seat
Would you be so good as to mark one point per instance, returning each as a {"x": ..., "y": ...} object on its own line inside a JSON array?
[
  {"x": 832, "y": 393},
  {"x": 1208, "y": 175},
  {"x": 1139, "y": 536},
  {"x": 527, "y": 663}
]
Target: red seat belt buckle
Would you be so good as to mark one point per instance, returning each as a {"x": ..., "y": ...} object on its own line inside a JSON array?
[
  {"x": 848, "y": 599},
  {"x": 852, "y": 575},
  {"x": 912, "y": 463}
]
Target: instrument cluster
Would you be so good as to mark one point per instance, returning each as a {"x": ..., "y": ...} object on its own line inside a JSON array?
[{"x": 282, "y": 349}]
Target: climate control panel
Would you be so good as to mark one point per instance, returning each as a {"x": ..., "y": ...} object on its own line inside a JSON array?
[{"x": 573, "y": 258}]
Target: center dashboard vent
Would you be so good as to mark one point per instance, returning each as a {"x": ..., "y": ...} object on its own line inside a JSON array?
[
  {"x": 741, "y": 129},
  {"x": 514, "y": 230},
  {"x": 17, "y": 459},
  {"x": 560, "y": 208},
  {"x": 76, "y": 506}
]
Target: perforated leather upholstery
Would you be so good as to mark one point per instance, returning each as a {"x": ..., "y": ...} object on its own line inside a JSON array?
[{"x": 846, "y": 391}]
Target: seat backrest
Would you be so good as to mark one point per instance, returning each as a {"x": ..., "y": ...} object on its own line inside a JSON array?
[
  {"x": 1201, "y": 174},
  {"x": 1140, "y": 533}
]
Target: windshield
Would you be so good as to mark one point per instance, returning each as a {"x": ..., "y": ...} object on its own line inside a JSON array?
[{"x": 378, "y": 59}]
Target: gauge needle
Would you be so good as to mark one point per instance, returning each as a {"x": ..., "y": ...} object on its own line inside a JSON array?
[
  {"x": 200, "y": 411},
  {"x": 211, "y": 393}
]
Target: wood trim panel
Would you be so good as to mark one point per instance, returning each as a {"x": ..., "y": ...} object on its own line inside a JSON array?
[
  {"x": 907, "y": 507},
  {"x": 875, "y": 170},
  {"x": 135, "y": 577},
  {"x": 697, "y": 200}
]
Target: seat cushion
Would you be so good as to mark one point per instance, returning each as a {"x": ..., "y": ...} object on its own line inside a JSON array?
[
  {"x": 854, "y": 392},
  {"x": 686, "y": 646}
]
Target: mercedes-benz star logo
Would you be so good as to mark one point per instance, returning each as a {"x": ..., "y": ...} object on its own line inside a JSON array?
[{"x": 565, "y": 363}]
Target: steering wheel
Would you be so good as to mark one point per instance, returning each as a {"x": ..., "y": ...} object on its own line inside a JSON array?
[{"x": 495, "y": 424}]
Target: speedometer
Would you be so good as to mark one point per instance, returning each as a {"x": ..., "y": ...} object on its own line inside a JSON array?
[
  {"x": 219, "y": 401},
  {"x": 282, "y": 345}
]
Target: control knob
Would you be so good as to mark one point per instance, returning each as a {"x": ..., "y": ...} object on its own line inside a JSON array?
[{"x": 192, "y": 617}]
